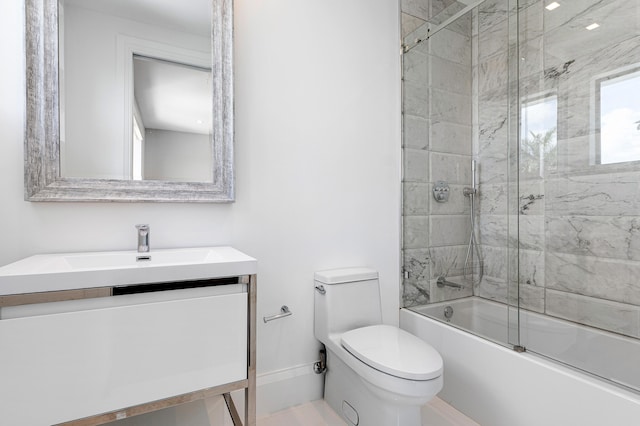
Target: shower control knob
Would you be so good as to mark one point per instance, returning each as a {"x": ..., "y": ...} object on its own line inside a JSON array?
[{"x": 441, "y": 191}]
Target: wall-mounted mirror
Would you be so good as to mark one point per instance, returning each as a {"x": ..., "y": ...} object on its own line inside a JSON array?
[{"x": 129, "y": 100}]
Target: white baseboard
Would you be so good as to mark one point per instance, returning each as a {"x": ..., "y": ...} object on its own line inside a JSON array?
[{"x": 281, "y": 389}]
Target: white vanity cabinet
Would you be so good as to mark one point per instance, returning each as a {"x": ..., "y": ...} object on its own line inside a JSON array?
[{"x": 123, "y": 350}]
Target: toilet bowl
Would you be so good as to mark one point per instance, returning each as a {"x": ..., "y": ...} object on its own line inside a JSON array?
[{"x": 376, "y": 374}]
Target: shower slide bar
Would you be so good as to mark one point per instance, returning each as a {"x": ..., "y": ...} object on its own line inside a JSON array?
[{"x": 473, "y": 249}]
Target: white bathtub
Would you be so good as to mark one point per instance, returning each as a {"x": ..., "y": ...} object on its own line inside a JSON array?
[{"x": 495, "y": 385}]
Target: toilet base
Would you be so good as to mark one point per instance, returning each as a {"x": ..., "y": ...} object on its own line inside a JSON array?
[{"x": 352, "y": 399}]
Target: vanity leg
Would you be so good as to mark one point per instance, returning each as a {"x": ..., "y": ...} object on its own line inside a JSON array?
[
  {"x": 250, "y": 391},
  {"x": 233, "y": 412}
]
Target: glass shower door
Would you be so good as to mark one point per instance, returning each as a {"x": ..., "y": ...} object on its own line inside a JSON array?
[
  {"x": 579, "y": 198},
  {"x": 458, "y": 265}
]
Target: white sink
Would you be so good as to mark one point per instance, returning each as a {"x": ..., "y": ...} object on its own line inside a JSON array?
[
  {"x": 119, "y": 259},
  {"x": 67, "y": 271}
]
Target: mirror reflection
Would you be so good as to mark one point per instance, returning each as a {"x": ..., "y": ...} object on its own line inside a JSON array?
[
  {"x": 171, "y": 135},
  {"x": 135, "y": 90}
]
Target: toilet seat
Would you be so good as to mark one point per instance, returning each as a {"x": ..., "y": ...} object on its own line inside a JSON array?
[{"x": 393, "y": 351}]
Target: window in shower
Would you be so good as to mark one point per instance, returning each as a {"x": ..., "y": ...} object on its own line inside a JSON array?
[
  {"x": 618, "y": 115},
  {"x": 539, "y": 135}
]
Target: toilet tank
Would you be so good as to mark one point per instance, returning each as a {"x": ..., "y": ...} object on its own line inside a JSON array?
[{"x": 345, "y": 299}]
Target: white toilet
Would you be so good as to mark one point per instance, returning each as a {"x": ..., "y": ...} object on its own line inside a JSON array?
[{"x": 377, "y": 375}]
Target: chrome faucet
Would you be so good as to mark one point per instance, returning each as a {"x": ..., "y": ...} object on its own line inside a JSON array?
[{"x": 143, "y": 238}]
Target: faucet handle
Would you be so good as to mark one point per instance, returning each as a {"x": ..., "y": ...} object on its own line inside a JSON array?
[{"x": 142, "y": 228}]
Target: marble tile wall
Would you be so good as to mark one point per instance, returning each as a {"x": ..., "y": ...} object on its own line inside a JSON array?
[
  {"x": 416, "y": 178},
  {"x": 437, "y": 117}
]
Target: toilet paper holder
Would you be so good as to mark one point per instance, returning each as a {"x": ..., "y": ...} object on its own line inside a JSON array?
[{"x": 284, "y": 312}]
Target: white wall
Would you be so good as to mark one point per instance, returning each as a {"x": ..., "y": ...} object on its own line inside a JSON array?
[
  {"x": 317, "y": 162},
  {"x": 177, "y": 156}
]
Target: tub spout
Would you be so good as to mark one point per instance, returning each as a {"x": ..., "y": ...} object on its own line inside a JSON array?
[{"x": 442, "y": 282}]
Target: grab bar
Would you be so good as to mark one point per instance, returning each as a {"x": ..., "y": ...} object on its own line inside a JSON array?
[
  {"x": 284, "y": 312},
  {"x": 442, "y": 282}
]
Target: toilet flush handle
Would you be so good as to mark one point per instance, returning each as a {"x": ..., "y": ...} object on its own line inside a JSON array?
[{"x": 320, "y": 289}]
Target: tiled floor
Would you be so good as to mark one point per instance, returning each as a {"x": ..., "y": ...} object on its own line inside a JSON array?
[
  {"x": 213, "y": 411},
  {"x": 318, "y": 413},
  {"x": 314, "y": 413},
  {"x": 439, "y": 413}
]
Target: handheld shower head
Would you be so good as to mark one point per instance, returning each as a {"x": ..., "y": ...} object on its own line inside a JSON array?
[
  {"x": 472, "y": 190},
  {"x": 473, "y": 174}
]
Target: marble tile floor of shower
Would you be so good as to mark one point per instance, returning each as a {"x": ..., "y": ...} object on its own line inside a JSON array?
[{"x": 318, "y": 413}]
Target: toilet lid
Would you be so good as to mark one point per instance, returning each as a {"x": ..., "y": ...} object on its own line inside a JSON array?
[{"x": 393, "y": 351}]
